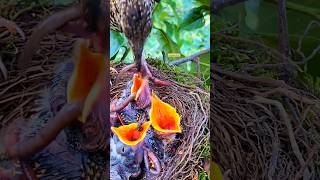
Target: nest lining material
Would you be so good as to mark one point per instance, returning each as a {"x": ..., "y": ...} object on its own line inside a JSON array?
[{"x": 192, "y": 103}]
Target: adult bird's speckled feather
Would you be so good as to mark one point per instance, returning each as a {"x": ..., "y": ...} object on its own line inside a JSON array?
[{"x": 134, "y": 19}]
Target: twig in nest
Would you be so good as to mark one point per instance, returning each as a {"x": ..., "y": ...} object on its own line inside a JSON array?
[
  {"x": 17, "y": 14},
  {"x": 124, "y": 104},
  {"x": 124, "y": 70},
  {"x": 12, "y": 27},
  {"x": 284, "y": 116},
  {"x": 200, "y": 102},
  {"x": 271, "y": 51},
  {"x": 303, "y": 167},
  {"x": 274, "y": 156},
  {"x": 3, "y": 69},
  {"x": 251, "y": 67},
  {"x": 252, "y": 79},
  {"x": 290, "y": 94},
  {"x": 281, "y": 86},
  {"x": 68, "y": 114}
]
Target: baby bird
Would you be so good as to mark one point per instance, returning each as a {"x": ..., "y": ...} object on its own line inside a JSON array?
[{"x": 124, "y": 162}]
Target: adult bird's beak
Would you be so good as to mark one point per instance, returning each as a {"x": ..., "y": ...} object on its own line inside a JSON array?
[
  {"x": 131, "y": 134},
  {"x": 141, "y": 88},
  {"x": 164, "y": 118},
  {"x": 87, "y": 79}
]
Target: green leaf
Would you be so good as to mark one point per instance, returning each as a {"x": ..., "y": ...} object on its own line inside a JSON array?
[
  {"x": 116, "y": 41},
  {"x": 202, "y": 2},
  {"x": 159, "y": 15},
  {"x": 202, "y": 175},
  {"x": 194, "y": 19},
  {"x": 167, "y": 43},
  {"x": 205, "y": 58},
  {"x": 173, "y": 31}
]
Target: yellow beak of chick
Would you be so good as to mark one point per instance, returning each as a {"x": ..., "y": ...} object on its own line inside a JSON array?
[
  {"x": 87, "y": 79},
  {"x": 164, "y": 118},
  {"x": 131, "y": 134}
]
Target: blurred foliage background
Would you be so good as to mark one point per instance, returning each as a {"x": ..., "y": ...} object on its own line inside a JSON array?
[
  {"x": 257, "y": 20},
  {"x": 180, "y": 28}
]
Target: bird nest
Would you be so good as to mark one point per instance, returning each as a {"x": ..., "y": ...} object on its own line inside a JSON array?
[
  {"x": 261, "y": 127},
  {"x": 192, "y": 103}
]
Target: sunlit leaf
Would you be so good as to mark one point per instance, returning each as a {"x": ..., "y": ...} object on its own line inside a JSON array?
[
  {"x": 116, "y": 41},
  {"x": 194, "y": 19},
  {"x": 167, "y": 43}
]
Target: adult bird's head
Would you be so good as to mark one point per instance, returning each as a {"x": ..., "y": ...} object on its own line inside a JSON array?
[{"x": 136, "y": 24}]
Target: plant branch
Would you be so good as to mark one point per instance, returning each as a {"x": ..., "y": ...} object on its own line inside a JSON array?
[
  {"x": 283, "y": 30},
  {"x": 246, "y": 77},
  {"x": 315, "y": 51},
  {"x": 189, "y": 58},
  {"x": 12, "y": 27}
]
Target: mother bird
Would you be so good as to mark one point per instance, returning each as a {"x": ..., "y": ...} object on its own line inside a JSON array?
[{"x": 134, "y": 19}]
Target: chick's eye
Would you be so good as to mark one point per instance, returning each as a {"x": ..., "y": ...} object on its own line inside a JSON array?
[{"x": 122, "y": 150}]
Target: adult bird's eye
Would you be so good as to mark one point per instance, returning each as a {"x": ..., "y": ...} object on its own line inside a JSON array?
[{"x": 122, "y": 150}]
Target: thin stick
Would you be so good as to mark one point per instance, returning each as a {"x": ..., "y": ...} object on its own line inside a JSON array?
[
  {"x": 302, "y": 168},
  {"x": 285, "y": 118},
  {"x": 12, "y": 27},
  {"x": 189, "y": 58}
]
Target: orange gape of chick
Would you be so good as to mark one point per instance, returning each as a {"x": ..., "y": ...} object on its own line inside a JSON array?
[
  {"x": 163, "y": 117},
  {"x": 131, "y": 134},
  {"x": 87, "y": 78}
]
